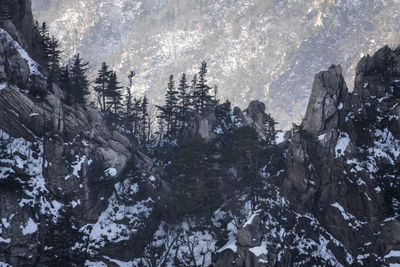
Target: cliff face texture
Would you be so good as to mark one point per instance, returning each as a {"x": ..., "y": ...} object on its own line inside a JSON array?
[{"x": 75, "y": 191}]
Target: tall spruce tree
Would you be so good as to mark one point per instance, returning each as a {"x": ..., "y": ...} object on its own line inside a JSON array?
[
  {"x": 269, "y": 130},
  {"x": 183, "y": 98},
  {"x": 128, "y": 102},
  {"x": 79, "y": 80},
  {"x": 168, "y": 112},
  {"x": 114, "y": 93},
  {"x": 53, "y": 55},
  {"x": 201, "y": 94},
  {"x": 101, "y": 85},
  {"x": 215, "y": 100},
  {"x": 246, "y": 151},
  {"x": 192, "y": 97},
  {"x": 44, "y": 42},
  {"x": 145, "y": 120}
]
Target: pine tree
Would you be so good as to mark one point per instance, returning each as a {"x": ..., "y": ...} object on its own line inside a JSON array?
[
  {"x": 201, "y": 94},
  {"x": 145, "y": 119},
  {"x": 44, "y": 42},
  {"x": 168, "y": 112},
  {"x": 215, "y": 100},
  {"x": 101, "y": 85},
  {"x": 79, "y": 80},
  {"x": 59, "y": 241},
  {"x": 183, "y": 98},
  {"x": 245, "y": 151},
  {"x": 128, "y": 114},
  {"x": 192, "y": 96},
  {"x": 114, "y": 92},
  {"x": 269, "y": 130},
  {"x": 53, "y": 55}
]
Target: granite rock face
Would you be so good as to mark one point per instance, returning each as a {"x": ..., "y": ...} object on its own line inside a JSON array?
[{"x": 327, "y": 101}]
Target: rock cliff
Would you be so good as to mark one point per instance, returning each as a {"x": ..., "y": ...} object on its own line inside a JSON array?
[{"x": 56, "y": 159}]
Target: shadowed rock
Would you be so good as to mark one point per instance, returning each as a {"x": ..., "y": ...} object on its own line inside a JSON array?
[{"x": 328, "y": 98}]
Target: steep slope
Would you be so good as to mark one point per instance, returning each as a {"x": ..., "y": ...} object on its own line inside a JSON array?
[
  {"x": 266, "y": 50},
  {"x": 56, "y": 163}
]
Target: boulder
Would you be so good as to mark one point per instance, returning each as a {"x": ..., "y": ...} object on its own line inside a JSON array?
[{"x": 251, "y": 234}]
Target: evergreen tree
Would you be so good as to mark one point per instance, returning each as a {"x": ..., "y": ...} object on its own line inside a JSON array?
[
  {"x": 114, "y": 92},
  {"x": 128, "y": 115},
  {"x": 59, "y": 240},
  {"x": 195, "y": 181},
  {"x": 168, "y": 112},
  {"x": 136, "y": 115},
  {"x": 269, "y": 130},
  {"x": 246, "y": 150},
  {"x": 101, "y": 85},
  {"x": 215, "y": 100},
  {"x": 183, "y": 98},
  {"x": 201, "y": 94},
  {"x": 79, "y": 80},
  {"x": 53, "y": 55},
  {"x": 192, "y": 103},
  {"x": 44, "y": 42},
  {"x": 144, "y": 120}
]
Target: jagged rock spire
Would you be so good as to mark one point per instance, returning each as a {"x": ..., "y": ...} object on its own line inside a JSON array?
[{"x": 328, "y": 98}]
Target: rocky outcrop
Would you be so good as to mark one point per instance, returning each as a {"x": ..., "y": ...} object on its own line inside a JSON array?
[
  {"x": 21, "y": 27},
  {"x": 251, "y": 234},
  {"x": 208, "y": 125},
  {"x": 327, "y": 101},
  {"x": 326, "y": 169},
  {"x": 340, "y": 179}
]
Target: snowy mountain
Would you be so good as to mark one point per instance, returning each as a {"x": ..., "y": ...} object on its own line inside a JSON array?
[
  {"x": 256, "y": 49},
  {"x": 78, "y": 188}
]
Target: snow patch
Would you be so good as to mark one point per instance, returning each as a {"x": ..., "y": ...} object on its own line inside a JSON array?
[
  {"x": 3, "y": 86},
  {"x": 279, "y": 138},
  {"x": 33, "y": 66},
  {"x": 29, "y": 228},
  {"x": 342, "y": 144},
  {"x": 321, "y": 137},
  {"x": 393, "y": 254},
  {"x": 260, "y": 250},
  {"x": 111, "y": 171},
  {"x": 354, "y": 223}
]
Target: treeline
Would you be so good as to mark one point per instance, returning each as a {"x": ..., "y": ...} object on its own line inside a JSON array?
[{"x": 181, "y": 100}]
